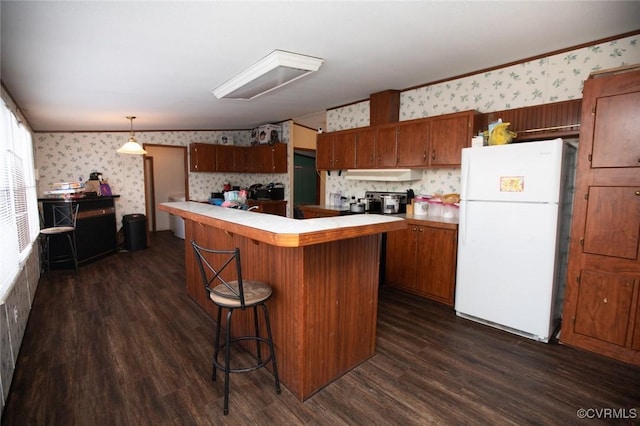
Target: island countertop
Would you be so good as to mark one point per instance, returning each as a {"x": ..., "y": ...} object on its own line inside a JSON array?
[{"x": 281, "y": 231}]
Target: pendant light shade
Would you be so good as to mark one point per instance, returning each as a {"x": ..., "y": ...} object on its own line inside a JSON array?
[{"x": 132, "y": 146}]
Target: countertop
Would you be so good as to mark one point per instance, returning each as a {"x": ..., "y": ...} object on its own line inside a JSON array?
[
  {"x": 283, "y": 231},
  {"x": 76, "y": 200},
  {"x": 439, "y": 221}
]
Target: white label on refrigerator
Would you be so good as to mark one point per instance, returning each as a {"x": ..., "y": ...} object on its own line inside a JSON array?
[{"x": 511, "y": 183}]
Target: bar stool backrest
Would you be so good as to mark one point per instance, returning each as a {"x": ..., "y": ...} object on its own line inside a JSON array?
[
  {"x": 208, "y": 259},
  {"x": 65, "y": 215}
]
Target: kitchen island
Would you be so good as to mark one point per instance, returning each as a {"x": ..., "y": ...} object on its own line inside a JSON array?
[{"x": 324, "y": 274}]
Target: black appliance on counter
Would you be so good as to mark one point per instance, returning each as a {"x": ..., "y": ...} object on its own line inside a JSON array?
[{"x": 271, "y": 191}]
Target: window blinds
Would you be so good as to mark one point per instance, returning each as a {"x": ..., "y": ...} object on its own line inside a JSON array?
[{"x": 19, "y": 220}]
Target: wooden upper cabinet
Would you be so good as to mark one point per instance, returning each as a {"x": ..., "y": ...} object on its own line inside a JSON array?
[
  {"x": 424, "y": 142},
  {"x": 366, "y": 148},
  {"x": 336, "y": 150},
  {"x": 413, "y": 143},
  {"x": 202, "y": 157},
  {"x": 225, "y": 158},
  {"x": 449, "y": 134},
  {"x": 386, "y": 147},
  {"x": 324, "y": 151},
  {"x": 278, "y": 158},
  {"x": 257, "y": 157},
  {"x": 344, "y": 150},
  {"x": 616, "y": 140},
  {"x": 240, "y": 158},
  {"x": 266, "y": 158}
]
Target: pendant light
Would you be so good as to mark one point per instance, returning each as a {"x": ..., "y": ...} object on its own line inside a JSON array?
[{"x": 132, "y": 146}]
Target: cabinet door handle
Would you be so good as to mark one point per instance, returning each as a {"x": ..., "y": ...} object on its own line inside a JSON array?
[
  {"x": 419, "y": 229},
  {"x": 433, "y": 154},
  {"x": 638, "y": 193},
  {"x": 424, "y": 156}
]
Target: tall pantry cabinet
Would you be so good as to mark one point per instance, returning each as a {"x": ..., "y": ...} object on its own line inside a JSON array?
[{"x": 602, "y": 295}]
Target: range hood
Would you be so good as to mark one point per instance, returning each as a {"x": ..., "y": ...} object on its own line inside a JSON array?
[{"x": 389, "y": 175}]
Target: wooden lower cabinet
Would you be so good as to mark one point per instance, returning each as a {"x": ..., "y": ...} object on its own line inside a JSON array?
[
  {"x": 310, "y": 212},
  {"x": 422, "y": 260},
  {"x": 270, "y": 207},
  {"x": 604, "y": 306}
]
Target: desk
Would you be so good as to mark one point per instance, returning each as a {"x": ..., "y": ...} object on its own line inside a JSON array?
[
  {"x": 324, "y": 275},
  {"x": 96, "y": 228}
]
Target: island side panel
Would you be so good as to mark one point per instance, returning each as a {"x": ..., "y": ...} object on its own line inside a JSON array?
[
  {"x": 279, "y": 267},
  {"x": 341, "y": 298},
  {"x": 324, "y": 306}
]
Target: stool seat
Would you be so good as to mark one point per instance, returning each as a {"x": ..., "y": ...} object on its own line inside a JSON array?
[
  {"x": 57, "y": 230},
  {"x": 254, "y": 292}
]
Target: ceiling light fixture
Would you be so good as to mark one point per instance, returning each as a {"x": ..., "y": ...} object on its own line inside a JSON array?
[
  {"x": 132, "y": 146},
  {"x": 273, "y": 71}
]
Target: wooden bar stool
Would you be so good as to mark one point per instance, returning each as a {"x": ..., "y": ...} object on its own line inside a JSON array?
[{"x": 231, "y": 295}]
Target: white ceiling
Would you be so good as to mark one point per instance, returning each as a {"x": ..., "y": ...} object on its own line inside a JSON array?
[{"x": 85, "y": 65}]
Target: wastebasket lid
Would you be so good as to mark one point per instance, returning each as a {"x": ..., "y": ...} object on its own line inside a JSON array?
[{"x": 134, "y": 216}]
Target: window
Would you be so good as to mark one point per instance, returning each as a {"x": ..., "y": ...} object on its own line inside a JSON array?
[{"x": 19, "y": 220}]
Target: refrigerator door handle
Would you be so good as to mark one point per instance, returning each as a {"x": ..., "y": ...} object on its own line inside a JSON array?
[
  {"x": 466, "y": 165},
  {"x": 462, "y": 225}
]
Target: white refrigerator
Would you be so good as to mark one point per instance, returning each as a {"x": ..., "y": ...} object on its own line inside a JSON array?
[{"x": 515, "y": 214}]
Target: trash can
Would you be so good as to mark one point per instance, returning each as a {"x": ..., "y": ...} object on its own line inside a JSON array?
[{"x": 135, "y": 231}]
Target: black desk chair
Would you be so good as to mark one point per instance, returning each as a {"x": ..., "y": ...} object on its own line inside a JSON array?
[
  {"x": 64, "y": 216},
  {"x": 231, "y": 295}
]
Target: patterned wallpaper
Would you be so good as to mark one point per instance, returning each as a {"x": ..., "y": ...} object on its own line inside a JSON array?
[
  {"x": 551, "y": 79},
  {"x": 62, "y": 157}
]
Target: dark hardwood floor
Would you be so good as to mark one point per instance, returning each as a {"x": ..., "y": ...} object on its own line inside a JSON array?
[{"x": 121, "y": 344}]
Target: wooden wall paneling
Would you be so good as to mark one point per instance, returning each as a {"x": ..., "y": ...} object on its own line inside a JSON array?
[
  {"x": 344, "y": 335},
  {"x": 557, "y": 119},
  {"x": 603, "y": 273},
  {"x": 384, "y": 107}
]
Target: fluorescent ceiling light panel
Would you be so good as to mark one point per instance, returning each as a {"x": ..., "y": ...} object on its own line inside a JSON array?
[{"x": 271, "y": 72}]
